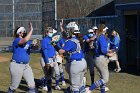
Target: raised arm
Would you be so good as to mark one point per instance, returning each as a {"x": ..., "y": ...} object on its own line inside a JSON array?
[
  {"x": 61, "y": 25},
  {"x": 24, "y": 40}
]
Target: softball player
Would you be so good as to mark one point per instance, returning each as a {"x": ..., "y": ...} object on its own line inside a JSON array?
[
  {"x": 101, "y": 61},
  {"x": 48, "y": 57},
  {"x": 59, "y": 60},
  {"x": 19, "y": 65},
  {"x": 114, "y": 44},
  {"x": 76, "y": 66},
  {"x": 88, "y": 51}
]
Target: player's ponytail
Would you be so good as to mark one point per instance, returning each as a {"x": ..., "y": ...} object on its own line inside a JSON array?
[
  {"x": 15, "y": 33},
  {"x": 100, "y": 29},
  {"x": 116, "y": 33}
]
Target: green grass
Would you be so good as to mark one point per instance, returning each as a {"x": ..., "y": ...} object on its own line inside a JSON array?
[{"x": 118, "y": 83}]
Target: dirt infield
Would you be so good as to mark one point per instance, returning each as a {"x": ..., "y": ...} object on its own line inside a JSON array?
[{"x": 4, "y": 59}]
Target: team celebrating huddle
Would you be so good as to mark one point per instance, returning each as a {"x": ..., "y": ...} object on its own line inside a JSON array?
[{"x": 81, "y": 53}]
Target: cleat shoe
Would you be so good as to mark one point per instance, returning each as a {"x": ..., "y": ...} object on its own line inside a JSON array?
[
  {"x": 87, "y": 90},
  {"x": 118, "y": 70},
  {"x": 57, "y": 87},
  {"x": 106, "y": 89},
  {"x": 63, "y": 83},
  {"x": 45, "y": 88},
  {"x": 115, "y": 69}
]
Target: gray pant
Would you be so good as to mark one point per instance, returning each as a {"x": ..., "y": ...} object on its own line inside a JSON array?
[
  {"x": 19, "y": 70},
  {"x": 60, "y": 67},
  {"x": 76, "y": 71},
  {"x": 52, "y": 64},
  {"x": 101, "y": 64},
  {"x": 59, "y": 61},
  {"x": 90, "y": 64}
]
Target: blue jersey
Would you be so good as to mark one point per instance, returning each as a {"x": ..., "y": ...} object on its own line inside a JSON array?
[
  {"x": 61, "y": 42},
  {"x": 71, "y": 46},
  {"x": 47, "y": 50},
  {"x": 21, "y": 53},
  {"x": 86, "y": 44},
  {"x": 101, "y": 46},
  {"x": 108, "y": 44},
  {"x": 115, "y": 43}
]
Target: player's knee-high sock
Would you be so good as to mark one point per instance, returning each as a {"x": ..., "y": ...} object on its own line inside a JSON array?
[
  {"x": 39, "y": 82},
  {"x": 57, "y": 77},
  {"x": 62, "y": 76},
  {"x": 43, "y": 81},
  {"x": 82, "y": 89},
  {"x": 97, "y": 84},
  {"x": 68, "y": 90},
  {"x": 49, "y": 85},
  {"x": 10, "y": 90},
  {"x": 57, "y": 74},
  {"x": 103, "y": 89},
  {"x": 75, "y": 92}
]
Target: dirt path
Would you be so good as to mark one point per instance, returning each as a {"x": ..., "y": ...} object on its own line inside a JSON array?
[{"x": 4, "y": 59}]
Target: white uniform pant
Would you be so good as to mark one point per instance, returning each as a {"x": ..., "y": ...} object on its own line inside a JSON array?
[
  {"x": 18, "y": 71},
  {"x": 76, "y": 71}
]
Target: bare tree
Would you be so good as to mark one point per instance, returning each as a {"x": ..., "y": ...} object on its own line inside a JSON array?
[
  {"x": 85, "y": 7},
  {"x": 77, "y": 8}
]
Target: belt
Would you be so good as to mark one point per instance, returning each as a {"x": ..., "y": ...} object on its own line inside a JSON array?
[
  {"x": 18, "y": 62},
  {"x": 69, "y": 61},
  {"x": 77, "y": 59}
]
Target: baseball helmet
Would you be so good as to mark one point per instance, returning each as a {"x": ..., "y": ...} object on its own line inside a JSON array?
[{"x": 72, "y": 28}]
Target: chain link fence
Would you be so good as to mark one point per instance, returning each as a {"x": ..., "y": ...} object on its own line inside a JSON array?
[
  {"x": 112, "y": 22},
  {"x": 15, "y": 13}
]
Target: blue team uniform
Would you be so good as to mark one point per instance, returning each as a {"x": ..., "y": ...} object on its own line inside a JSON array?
[
  {"x": 101, "y": 62},
  {"x": 86, "y": 47},
  {"x": 48, "y": 50},
  {"x": 48, "y": 53},
  {"x": 71, "y": 47},
  {"x": 115, "y": 43},
  {"x": 21, "y": 53},
  {"x": 108, "y": 44},
  {"x": 101, "y": 46},
  {"x": 61, "y": 42},
  {"x": 76, "y": 67},
  {"x": 89, "y": 54}
]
